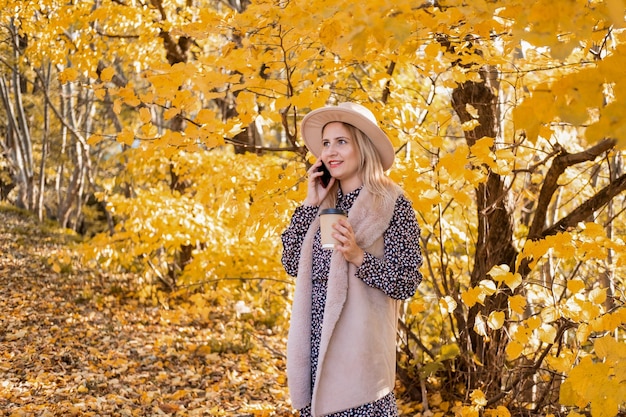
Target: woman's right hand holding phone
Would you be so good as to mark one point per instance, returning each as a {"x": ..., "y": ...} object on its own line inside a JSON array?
[{"x": 316, "y": 192}]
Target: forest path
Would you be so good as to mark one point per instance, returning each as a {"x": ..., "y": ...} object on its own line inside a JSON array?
[{"x": 74, "y": 343}]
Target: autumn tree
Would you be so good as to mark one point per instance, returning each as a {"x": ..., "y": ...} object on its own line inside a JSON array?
[{"x": 507, "y": 120}]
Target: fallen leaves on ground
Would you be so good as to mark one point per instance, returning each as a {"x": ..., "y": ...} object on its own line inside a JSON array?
[{"x": 74, "y": 343}]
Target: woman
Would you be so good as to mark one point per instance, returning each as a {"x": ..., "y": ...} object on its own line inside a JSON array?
[{"x": 341, "y": 349}]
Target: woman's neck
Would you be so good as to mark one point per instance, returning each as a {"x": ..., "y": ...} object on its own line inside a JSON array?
[{"x": 348, "y": 186}]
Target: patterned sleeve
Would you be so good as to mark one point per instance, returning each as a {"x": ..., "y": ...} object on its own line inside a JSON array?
[
  {"x": 293, "y": 237},
  {"x": 397, "y": 274}
]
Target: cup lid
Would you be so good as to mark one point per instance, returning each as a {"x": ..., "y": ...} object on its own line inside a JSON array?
[{"x": 333, "y": 211}]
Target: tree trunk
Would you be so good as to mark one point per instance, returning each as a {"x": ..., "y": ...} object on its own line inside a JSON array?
[
  {"x": 44, "y": 147},
  {"x": 494, "y": 241}
]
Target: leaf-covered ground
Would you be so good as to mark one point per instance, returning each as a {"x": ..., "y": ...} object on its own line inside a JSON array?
[{"x": 76, "y": 343}]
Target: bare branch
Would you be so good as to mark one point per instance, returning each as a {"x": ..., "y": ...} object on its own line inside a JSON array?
[
  {"x": 550, "y": 184},
  {"x": 588, "y": 207}
]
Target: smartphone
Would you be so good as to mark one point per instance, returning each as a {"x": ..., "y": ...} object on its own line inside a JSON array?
[{"x": 324, "y": 179}]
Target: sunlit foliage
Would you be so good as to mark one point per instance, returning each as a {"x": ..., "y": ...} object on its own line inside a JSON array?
[{"x": 196, "y": 112}]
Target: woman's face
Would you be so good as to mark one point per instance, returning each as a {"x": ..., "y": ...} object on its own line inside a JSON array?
[{"x": 341, "y": 156}]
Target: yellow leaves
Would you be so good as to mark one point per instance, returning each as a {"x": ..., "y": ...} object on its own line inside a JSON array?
[
  {"x": 478, "y": 398},
  {"x": 499, "y": 411},
  {"x": 449, "y": 351},
  {"x": 496, "y": 320},
  {"x": 531, "y": 114},
  {"x": 513, "y": 350},
  {"x": 549, "y": 314},
  {"x": 596, "y": 384},
  {"x": 480, "y": 326},
  {"x": 561, "y": 245},
  {"x": 102, "y": 352},
  {"x": 416, "y": 307},
  {"x": 470, "y": 164},
  {"x": 455, "y": 163},
  {"x": 547, "y": 333},
  {"x": 478, "y": 403},
  {"x": 68, "y": 75},
  {"x": 562, "y": 363},
  {"x": 447, "y": 305},
  {"x": 145, "y": 115},
  {"x": 169, "y": 114},
  {"x": 107, "y": 74},
  {"x": 502, "y": 274},
  {"x": 478, "y": 294},
  {"x": 127, "y": 95},
  {"x": 614, "y": 12},
  {"x": 470, "y": 125},
  {"x": 533, "y": 322},
  {"x": 330, "y": 32},
  {"x": 205, "y": 116},
  {"x": 472, "y": 296},
  {"x": 126, "y": 137},
  {"x": 597, "y": 296},
  {"x": 607, "y": 322},
  {"x": 607, "y": 348},
  {"x": 517, "y": 304},
  {"x": 575, "y": 285},
  {"x": 583, "y": 332}
]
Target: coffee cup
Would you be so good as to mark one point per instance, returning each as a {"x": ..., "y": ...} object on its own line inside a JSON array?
[{"x": 328, "y": 217}]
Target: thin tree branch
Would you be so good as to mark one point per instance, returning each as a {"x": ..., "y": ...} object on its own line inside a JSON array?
[
  {"x": 564, "y": 325},
  {"x": 586, "y": 209},
  {"x": 550, "y": 185}
]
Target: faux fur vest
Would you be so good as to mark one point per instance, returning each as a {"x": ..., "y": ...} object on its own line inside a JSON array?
[{"x": 357, "y": 358}]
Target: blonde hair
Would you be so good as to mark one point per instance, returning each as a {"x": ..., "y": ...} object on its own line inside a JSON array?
[{"x": 370, "y": 168}]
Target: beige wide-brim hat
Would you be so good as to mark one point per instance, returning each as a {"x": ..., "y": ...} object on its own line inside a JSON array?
[{"x": 352, "y": 114}]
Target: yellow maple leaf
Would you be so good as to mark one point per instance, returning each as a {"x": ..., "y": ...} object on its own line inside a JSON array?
[
  {"x": 562, "y": 363},
  {"x": 68, "y": 75},
  {"x": 454, "y": 163},
  {"x": 126, "y": 137},
  {"x": 607, "y": 347},
  {"x": 100, "y": 93},
  {"x": 478, "y": 398},
  {"x": 95, "y": 139},
  {"x": 144, "y": 115},
  {"x": 107, "y": 74},
  {"x": 517, "y": 303},
  {"x": 533, "y": 322},
  {"x": 471, "y": 296},
  {"x": 416, "y": 307}
]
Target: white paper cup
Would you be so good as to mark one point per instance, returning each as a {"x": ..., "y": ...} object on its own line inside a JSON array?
[{"x": 328, "y": 217}]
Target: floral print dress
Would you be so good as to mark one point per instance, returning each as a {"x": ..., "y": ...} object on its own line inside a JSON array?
[{"x": 396, "y": 275}]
